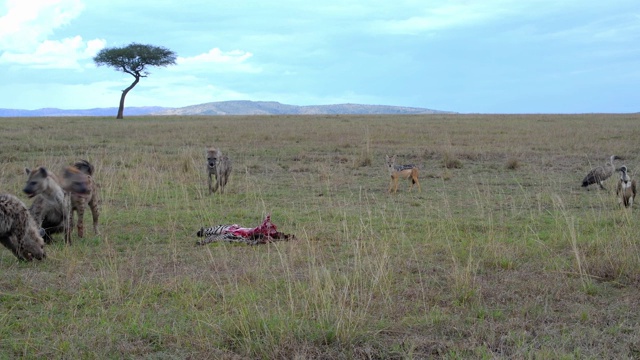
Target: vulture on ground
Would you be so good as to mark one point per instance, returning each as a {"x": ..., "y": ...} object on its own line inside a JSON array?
[{"x": 601, "y": 173}]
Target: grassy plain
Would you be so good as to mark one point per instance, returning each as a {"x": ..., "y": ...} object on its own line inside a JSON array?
[{"x": 502, "y": 254}]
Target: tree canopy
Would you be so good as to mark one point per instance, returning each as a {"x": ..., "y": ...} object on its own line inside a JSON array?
[{"x": 134, "y": 59}]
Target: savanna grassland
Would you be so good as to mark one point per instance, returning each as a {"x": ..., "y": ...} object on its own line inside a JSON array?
[{"x": 502, "y": 254}]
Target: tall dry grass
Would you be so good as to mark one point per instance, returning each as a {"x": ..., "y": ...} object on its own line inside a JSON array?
[{"x": 501, "y": 255}]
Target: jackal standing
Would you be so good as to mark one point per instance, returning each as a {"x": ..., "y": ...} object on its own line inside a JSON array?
[
  {"x": 18, "y": 231},
  {"x": 218, "y": 165},
  {"x": 80, "y": 201},
  {"x": 401, "y": 171},
  {"x": 51, "y": 207}
]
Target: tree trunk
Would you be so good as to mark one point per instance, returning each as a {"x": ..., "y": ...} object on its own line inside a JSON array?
[{"x": 124, "y": 94}]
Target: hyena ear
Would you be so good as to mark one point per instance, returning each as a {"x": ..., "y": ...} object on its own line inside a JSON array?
[
  {"x": 70, "y": 170},
  {"x": 43, "y": 171},
  {"x": 27, "y": 171}
]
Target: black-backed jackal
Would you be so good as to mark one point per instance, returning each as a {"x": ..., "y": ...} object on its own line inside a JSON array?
[
  {"x": 218, "y": 166},
  {"x": 401, "y": 171},
  {"x": 626, "y": 189}
]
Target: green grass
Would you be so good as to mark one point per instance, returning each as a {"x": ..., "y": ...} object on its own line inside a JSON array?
[{"x": 502, "y": 254}]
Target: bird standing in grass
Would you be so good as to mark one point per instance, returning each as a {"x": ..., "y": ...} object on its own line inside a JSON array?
[
  {"x": 601, "y": 173},
  {"x": 626, "y": 189}
]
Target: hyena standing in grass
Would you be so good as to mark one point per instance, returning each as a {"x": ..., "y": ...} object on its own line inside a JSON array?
[
  {"x": 51, "y": 207},
  {"x": 80, "y": 201},
  {"x": 18, "y": 231},
  {"x": 218, "y": 165}
]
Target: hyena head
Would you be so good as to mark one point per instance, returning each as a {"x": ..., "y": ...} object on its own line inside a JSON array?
[
  {"x": 33, "y": 243},
  {"x": 37, "y": 181},
  {"x": 213, "y": 155},
  {"x": 84, "y": 166},
  {"x": 75, "y": 181}
]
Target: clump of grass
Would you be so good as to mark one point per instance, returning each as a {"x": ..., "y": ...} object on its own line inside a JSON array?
[
  {"x": 364, "y": 160},
  {"x": 450, "y": 161},
  {"x": 365, "y": 156},
  {"x": 512, "y": 164},
  {"x": 615, "y": 259}
]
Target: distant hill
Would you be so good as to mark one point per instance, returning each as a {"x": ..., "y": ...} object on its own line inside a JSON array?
[
  {"x": 241, "y": 107},
  {"x": 244, "y": 107}
]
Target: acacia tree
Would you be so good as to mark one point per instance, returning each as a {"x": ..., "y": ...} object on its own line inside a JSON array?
[{"x": 133, "y": 59}]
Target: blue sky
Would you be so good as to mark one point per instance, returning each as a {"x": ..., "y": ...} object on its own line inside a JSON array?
[{"x": 469, "y": 56}]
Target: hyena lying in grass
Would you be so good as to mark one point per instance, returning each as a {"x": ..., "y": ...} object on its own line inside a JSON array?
[
  {"x": 218, "y": 165},
  {"x": 51, "y": 207},
  {"x": 18, "y": 231},
  {"x": 80, "y": 201}
]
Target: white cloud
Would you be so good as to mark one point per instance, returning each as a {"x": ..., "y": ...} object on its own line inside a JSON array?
[
  {"x": 218, "y": 60},
  {"x": 441, "y": 17},
  {"x": 444, "y": 15},
  {"x": 27, "y": 23},
  {"x": 25, "y": 29},
  {"x": 619, "y": 28},
  {"x": 53, "y": 54}
]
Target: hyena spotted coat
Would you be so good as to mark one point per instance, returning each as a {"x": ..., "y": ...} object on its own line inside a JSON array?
[
  {"x": 51, "y": 207},
  {"x": 218, "y": 166},
  {"x": 80, "y": 201},
  {"x": 18, "y": 231}
]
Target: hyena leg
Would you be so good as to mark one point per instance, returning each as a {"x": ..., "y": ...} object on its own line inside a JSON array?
[
  {"x": 210, "y": 183},
  {"x": 95, "y": 213},
  {"x": 216, "y": 183},
  {"x": 67, "y": 218},
  {"x": 80, "y": 212},
  {"x": 71, "y": 223}
]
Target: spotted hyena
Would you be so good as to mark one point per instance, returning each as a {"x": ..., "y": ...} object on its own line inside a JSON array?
[
  {"x": 51, "y": 207},
  {"x": 218, "y": 166},
  {"x": 18, "y": 230},
  {"x": 80, "y": 201}
]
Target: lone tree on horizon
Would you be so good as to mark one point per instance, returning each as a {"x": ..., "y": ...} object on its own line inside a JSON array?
[{"x": 133, "y": 60}]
